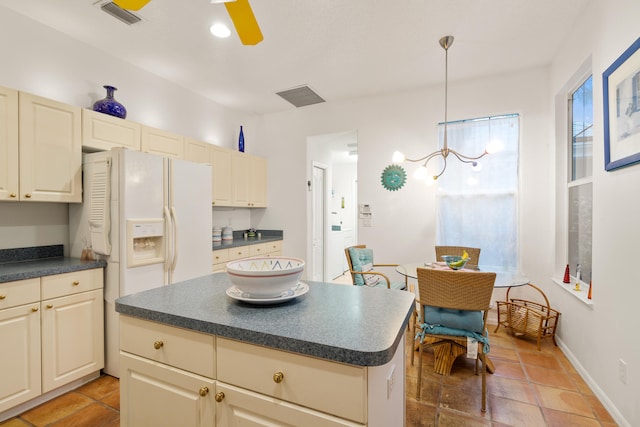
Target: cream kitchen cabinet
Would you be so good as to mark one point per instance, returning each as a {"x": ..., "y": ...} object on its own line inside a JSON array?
[
  {"x": 72, "y": 326},
  {"x": 42, "y": 149},
  {"x": 161, "y": 142},
  {"x": 257, "y": 182},
  {"x": 51, "y": 333},
  {"x": 248, "y": 180},
  {"x": 167, "y": 375},
  {"x": 103, "y": 132},
  {"x": 220, "y": 257},
  {"x": 9, "y": 170},
  {"x": 197, "y": 151},
  {"x": 221, "y": 176},
  {"x": 20, "y": 342}
]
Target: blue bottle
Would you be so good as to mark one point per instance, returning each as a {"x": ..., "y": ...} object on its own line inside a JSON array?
[{"x": 241, "y": 141}]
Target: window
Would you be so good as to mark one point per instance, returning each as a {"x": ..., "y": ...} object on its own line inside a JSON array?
[
  {"x": 580, "y": 185},
  {"x": 479, "y": 209}
]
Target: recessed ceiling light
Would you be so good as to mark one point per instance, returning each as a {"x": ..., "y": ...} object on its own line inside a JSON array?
[{"x": 220, "y": 30}]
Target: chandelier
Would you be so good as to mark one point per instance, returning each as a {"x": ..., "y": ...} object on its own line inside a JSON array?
[{"x": 445, "y": 151}]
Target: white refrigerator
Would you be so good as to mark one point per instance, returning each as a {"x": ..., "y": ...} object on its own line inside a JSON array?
[{"x": 149, "y": 217}]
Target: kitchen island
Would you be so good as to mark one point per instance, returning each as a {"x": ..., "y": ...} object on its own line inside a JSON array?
[{"x": 334, "y": 356}]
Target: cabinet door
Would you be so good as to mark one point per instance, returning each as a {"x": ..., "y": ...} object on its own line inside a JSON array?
[
  {"x": 240, "y": 407},
  {"x": 72, "y": 338},
  {"x": 103, "y": 132},
  {"x": 8, "y": 144},
  {"x": 20, "y": 344},
  {"x": 50, "y": 150},
  {"x": 240, "y": 192},
  {"x": 258, "y": 182},
  {"x": 154, "y": 394},
  {"x": 157, "y": 141},
  {"x": 196, "y": 151},
  {"x": 221, "y": 162}
]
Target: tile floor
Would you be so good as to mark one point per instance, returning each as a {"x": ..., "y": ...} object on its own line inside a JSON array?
[{"x": 529, "y": 388}]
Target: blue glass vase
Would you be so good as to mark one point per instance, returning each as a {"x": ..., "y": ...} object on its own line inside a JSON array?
[
  {"x": 109, "y": 105},
  {"x": 241, "y": 140}
]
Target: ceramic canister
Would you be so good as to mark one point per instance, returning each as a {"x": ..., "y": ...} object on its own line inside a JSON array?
[
  {"x": 227, "y": 233},
  {"x": 216, "y": 234}
]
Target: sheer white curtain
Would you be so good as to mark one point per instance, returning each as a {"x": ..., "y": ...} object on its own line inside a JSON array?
[{"x": 479, "y": 209}]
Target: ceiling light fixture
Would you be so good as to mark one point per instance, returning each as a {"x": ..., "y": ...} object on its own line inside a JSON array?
[
  {"x": 220, "y": 30},
  {"x": 444, "y": 152}
]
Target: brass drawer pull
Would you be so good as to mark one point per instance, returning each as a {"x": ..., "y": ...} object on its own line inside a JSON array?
[
  {"x": 219, "y": 397},
  {"x": 2, "y": 297},
  {"x": 34, "y": 309},
  {"x": 75, "y": 283},
  {"x": 203, "y": 391},
  {"x": 12, "y": 195},
  {"x": 28, "y": 195},
  {"x": 49, "y": 305},
  {"x": 158, "y": 345},
  {"x": 278, "y": 377}
]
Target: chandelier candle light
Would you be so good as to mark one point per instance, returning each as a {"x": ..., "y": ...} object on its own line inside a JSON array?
[{"x": 444, "y": 152}]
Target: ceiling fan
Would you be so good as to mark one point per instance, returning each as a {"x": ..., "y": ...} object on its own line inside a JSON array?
[{"x": 239, "y": 11}]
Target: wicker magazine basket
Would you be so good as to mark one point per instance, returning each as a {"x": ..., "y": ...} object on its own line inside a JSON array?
[{"x": 524, "y": 317}]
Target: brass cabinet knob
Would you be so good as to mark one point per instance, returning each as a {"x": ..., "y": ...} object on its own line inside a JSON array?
[
  {"x": 75, "y": 283},
  {"x": 278, "y": 377},
  {"x": 158, "y": 345},
  {"x": 13, "y": 195},
  {"x": 34, "y": 309},
  {"x": 219, "y": 397},
  {"x": 49, "y": 305},
  {"x": 203, "y": 391},
  {"x": 2, "y": 297},
  {"x": 28, "y": 195}
]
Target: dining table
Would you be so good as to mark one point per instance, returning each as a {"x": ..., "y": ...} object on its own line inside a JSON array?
[{"x": 446, "y": 354}]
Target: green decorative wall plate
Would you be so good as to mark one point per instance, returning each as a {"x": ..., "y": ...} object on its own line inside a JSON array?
[{"x": 393, "y": 177}]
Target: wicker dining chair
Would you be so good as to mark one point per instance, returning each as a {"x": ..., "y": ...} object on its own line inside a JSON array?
[
  {"x": 443, "y": 293},
  {"x": 360, "y": 275},
  {"x": 474, "y": 254}
]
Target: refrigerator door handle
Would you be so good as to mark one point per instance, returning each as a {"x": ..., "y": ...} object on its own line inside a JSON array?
[
  {"x": 168, "y": 227},
  {"x": 174, "y": 221}
]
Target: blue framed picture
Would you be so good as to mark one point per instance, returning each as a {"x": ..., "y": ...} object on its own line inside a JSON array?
[{"x": 621, "y": 90}]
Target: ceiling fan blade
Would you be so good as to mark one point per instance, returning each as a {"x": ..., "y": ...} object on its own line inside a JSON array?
[
  {"x": 245, "y": 22},
  {"x": 131, "y": 4}
]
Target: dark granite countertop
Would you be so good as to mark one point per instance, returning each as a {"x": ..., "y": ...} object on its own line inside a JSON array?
[
  {"x": 45, "y": 267},
  {"x": 349, "y": 324},
  {"x": 38, "y": 261}
]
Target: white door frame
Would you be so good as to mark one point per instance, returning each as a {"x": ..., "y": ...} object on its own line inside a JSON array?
[{"x": 319, "y": 197}]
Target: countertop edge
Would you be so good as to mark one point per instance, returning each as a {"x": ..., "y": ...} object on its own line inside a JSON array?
[{"x": 49, "y": 267}]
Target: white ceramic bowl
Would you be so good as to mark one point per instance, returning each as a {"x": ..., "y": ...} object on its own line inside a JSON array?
[{"x": 265, "y": 277}]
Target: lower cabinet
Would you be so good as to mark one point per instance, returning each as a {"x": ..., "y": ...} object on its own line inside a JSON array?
[
  {"x": 163, "y": 382},
  {"x": 155, "y": 394},
  {"x": 220, "y": 257},
  {"x": 51, "y": 333}
]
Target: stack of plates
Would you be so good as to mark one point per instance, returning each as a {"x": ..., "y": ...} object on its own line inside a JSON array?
[
  {"x": 227, "y": 233},
  {"x": 216, "y": 234}
]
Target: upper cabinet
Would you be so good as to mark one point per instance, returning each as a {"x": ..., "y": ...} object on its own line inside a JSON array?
[
  {"x": 239, "y": 179},
  {"x": 9, "y": 180},
  {"x": 221, "y": 185},
  {"x": 161, "y": 142},
  {"x": 103, "y": 132},
  {"x": 42, "y": 150}
]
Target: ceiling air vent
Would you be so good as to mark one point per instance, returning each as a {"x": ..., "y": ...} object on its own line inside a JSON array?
[
  {"x": 121, "y": 14},
  {"x": 300, "y": 96}
]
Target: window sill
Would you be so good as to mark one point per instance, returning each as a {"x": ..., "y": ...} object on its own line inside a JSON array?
[{"x": 581, "y": 295}]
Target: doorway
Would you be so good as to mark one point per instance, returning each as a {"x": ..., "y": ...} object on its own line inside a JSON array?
[{"x": 332, "y": 205}]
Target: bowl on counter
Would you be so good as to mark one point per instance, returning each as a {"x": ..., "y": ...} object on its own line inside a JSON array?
[
  {"x": 265, "y": 277},
  {"x": 455, "y": 262}
]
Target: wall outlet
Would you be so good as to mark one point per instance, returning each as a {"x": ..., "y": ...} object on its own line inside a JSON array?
[
  {"x": 391, "y": 379},
  {"x": 622, "y": 371}
]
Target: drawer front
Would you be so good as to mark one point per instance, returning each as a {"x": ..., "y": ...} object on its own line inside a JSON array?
[
  {"x": 238, "y": 253},
  {"x": 181, "y": 348},
  {"x": 20, "y": 292},
  {"x": 220, "y": 256},
  {"x": 258, "y": 249},
  {"x": 71, "y": 283},
  {"x": 330, "y": 387},
  {"x": 274, "y": 247}
]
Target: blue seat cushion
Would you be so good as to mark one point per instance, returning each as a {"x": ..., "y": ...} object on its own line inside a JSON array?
[
  {"x": 456, "y": 319},
  {"x": 359, "y": 258}
]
